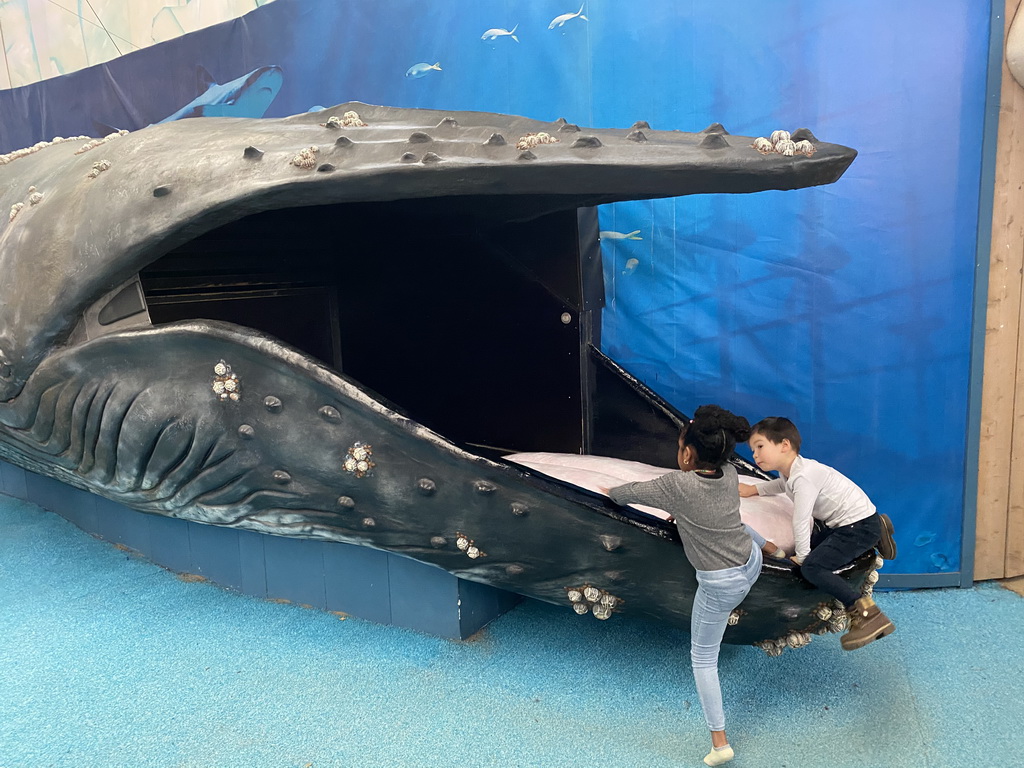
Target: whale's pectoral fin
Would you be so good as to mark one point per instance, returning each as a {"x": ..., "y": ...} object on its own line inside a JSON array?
[{"x": 199, "y": 421}]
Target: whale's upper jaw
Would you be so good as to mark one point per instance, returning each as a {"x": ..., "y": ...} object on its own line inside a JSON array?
[{"x": 96, "y": 217}]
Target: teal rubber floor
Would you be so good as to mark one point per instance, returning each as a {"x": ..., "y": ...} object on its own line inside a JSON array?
[{"x": 109, "y": 661}]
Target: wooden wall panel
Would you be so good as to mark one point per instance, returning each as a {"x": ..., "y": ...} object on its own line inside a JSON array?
[
  {"x": 1012, "y": 116},
  {"x": 999, "y": 548}
]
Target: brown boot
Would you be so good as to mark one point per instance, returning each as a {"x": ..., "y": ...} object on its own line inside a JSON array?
[
  {"x": 887, "y": 544},
  {"x": 867, "y": 623}
]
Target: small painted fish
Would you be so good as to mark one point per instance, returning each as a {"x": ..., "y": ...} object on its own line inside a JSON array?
[
  {"x": 493, "y": 34},
  {"x": 607, "y": 235},
  {"x": 419, "y": 70},
  {"x": 560, "y": 20}
]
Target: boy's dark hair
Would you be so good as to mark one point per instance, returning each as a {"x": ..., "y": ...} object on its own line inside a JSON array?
[
  {"x": 713, "y": 434},
  {"x": 777, "y": 429}
]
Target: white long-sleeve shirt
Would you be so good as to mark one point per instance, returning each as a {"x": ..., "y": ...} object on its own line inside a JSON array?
[{"x": 819, "y": 493}]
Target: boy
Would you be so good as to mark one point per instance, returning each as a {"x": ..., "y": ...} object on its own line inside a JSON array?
[{"x": 852, "y": 526}]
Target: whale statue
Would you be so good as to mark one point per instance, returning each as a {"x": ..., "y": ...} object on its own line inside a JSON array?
[{"x": 118, "y": 375}]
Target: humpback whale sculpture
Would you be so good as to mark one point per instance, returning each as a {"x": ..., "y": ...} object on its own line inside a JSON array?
[{"x": 223, "y": 424}]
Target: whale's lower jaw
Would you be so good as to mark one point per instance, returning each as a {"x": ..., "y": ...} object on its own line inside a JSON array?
[{"x": 147, "y": 418}]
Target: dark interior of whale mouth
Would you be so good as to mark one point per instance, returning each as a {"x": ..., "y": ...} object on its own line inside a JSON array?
[{"x": 482, "y": 330}]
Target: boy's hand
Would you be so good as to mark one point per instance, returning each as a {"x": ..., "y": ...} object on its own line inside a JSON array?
[{"x": 747, "y": 490}]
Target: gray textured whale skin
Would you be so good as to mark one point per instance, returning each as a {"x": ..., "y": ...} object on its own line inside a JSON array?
[{"x": 130, "y": 413}]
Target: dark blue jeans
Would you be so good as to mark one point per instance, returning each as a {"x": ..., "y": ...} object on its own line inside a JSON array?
[{"x": 835, "y": 547}]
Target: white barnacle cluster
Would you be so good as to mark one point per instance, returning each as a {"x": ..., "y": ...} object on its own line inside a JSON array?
[
  {"x": 735, "y": 616},
  {"x": 871, "y": 578},
  {"x": 358, "y": 461},
  {"x": 798, "y": 639},
  {"x": 531, "y": 140},
  {"x": 226, "y": 385},
  {"x": 786, "y": 147},
  {"x": 98, "y": 168},
  {"x": 831, "y": 617},
  {"x": 771, "y": 647},
  {"x": 92, "y": 144},
  {"x": 306, "y": 158},
  {"x": 467, "y": 545},
  {"x": 34, "y": 198},
  {"x": 781, "y": 143},
  {"x": 839, "y": 621},
  {"x": 590, "y": 599},
  {"x": 10, "y": 157},
  {"x": 350, "y": 119},
  {"x": 778, "y": 645},
  {"x": 868, "y": 588}
]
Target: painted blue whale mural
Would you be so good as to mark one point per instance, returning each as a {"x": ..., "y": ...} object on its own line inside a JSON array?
[
  {"x": 247, "y": 96},
  {"x": 118, "y": 375}
]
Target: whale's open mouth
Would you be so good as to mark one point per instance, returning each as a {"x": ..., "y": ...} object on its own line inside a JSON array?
[
  {"x": 472, "y": 326},
  {"x": 485, "y": 331}
]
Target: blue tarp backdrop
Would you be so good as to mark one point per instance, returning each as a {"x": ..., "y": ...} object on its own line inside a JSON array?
[{"x": 847, "y": 308}]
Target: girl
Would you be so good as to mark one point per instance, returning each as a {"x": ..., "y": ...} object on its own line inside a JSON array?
[{"x": 703, "y": 498}]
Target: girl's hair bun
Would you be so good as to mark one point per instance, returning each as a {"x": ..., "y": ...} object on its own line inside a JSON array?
[
  {"x": 710, "y": 418},
  {"x": 714, "y": 433}
]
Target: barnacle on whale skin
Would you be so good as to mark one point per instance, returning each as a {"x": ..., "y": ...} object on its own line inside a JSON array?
[
  {"x": 804, "y": 147},
  {"x": 306, "y": 158},
  {"x": 786, "y": 147},
  {"x": 531, "y": 140},
  {"x": 351, "y": 119},
  {"x": 98, "y": 168}
]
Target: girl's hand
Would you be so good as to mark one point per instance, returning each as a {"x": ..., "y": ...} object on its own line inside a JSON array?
[{"x": 747, "y": 490}]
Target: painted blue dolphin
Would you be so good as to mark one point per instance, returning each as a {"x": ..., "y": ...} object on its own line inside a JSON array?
[{"x": 246, "y": 96}]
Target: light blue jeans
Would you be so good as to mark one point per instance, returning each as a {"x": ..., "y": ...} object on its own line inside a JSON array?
[{"x": 718, "y": 593}]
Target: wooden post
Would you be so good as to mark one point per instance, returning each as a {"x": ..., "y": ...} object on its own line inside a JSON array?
[{"x": 999, "y": 548}]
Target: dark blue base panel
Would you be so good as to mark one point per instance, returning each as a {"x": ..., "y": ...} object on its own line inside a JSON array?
[{"x": 366, "y": 583}]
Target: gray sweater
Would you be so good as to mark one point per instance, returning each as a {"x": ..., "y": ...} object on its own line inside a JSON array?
[{"x": 706, "y": 511}]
